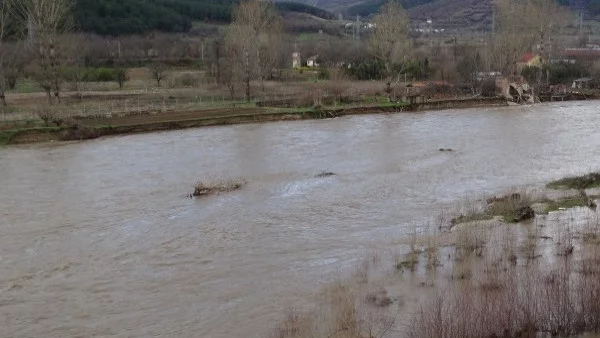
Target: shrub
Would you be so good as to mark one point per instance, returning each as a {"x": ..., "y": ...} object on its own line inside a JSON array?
[
  {"x": 121, "y": 76},
  {"x": 80, "y": 132},
  {"x": 488, "y": 87},
  {"x": 100, "y": 75},
  {"x": 323, "y": 74},
  {"x": 532, "y": 74},
  {"x": 90, "y": 74},
  {"x": 590, "y": 180},
  {"x": 520, "y": 302},
  {"x": 185, "y": 80},
  {"x": 45, "y": 115},
  {"x": 564, "y": 72},
  {"x": 11, "y": 79},
  {"x": 367, "y": 70}
]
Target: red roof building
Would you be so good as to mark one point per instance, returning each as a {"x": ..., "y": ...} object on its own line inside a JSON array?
[{"x": 527, "y": 57}]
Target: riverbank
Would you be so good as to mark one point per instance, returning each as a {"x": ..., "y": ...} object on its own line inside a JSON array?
[{"x": 90, "y": 127}]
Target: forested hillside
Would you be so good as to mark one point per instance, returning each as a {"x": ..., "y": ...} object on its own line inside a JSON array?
[
  {"x": 303, "y": 8},
  {"x": 117, "y": 17},
  {"x": 122, "y": 17},
  {"x": 371, "y": 6}
]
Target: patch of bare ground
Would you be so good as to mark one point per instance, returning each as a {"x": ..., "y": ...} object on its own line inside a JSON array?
[{"x": 156, "y": 117}]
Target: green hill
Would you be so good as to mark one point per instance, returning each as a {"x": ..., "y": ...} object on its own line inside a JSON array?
[
  {"x": 369, "y": 7},
  {"x": 457, "y": 13},
  {"x": 121, "y": 17}
]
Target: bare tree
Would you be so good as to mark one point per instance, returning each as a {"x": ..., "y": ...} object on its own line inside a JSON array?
[
  {"x": 335, "y": 51},
  {"x": 216, "y": 55},
  {"x": 338, "y": 85},
  {"x": 469, "y": 64},
  {"x": 158, "y": 70},
  {"x": 525, "y": 25},
  {"x": 46, "y": 21},
  {"x": 12, "y": 57},
  {"x": 74, "y": 54},
  {"x": 231, "y": 72},
  {"x": 251, "y": 40},
  {"x": 268, "y": 56},
  {"x": 121, "y": 75},
  {"x": 14, "y": 62},
  {"x": 389, "y": 41},
  {"x": 4, "y": 17}
]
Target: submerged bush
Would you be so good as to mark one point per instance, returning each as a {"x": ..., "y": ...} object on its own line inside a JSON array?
[
  {"x": 590, "y": 180},
  {"x": 513, "y": 208},
  {"x": 208, "y": 188}
]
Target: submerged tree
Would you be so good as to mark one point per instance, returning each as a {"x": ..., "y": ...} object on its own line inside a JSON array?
[{"x": 389, "y": 41}]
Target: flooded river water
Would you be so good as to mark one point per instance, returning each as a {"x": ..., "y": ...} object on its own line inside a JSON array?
[{"x": 98, "y": 239}]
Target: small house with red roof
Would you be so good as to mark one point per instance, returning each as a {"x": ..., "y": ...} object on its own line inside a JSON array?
[{"x": 529, "y": 60}]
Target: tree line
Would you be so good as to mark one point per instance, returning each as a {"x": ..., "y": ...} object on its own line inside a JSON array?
[
  {"x": 125, "y": 17},
  {"x": 371, "y": 7},
  {"x": 255, "y": 48},
  {"x": 590, "y": 7}
]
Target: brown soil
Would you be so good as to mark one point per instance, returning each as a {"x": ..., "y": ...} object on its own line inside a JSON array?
[
  {"x": 168, "y": 116},
  {"x": 34, "y": 136}
]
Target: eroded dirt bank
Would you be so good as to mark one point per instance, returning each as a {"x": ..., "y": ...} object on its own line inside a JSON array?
[{"x": 143, "y": 122}]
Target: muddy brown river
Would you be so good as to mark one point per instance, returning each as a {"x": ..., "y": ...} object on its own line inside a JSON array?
[{"x": 97, "y": 238}]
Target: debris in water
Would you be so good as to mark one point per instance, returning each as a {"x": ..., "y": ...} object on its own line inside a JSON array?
[
  {"x": 208, "y": 188},
  {"x": 325, "y": 174},
  {"x": 524, "y": 213},
  {"x": 379, "y": 298}
]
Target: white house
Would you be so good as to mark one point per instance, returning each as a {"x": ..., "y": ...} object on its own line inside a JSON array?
[{"x": 296, "y": 60}]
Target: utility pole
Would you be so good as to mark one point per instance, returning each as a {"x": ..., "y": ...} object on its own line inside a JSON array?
[
  {"x": 579, "y": 5},
  {"x": 357, "y": 36},
  {"x": 430, "y": 25},
  {"x": 247, "y": 79},
  {"x": 493, "y": 22}
]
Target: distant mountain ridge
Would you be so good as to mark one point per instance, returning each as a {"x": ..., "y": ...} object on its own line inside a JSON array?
[{"x": 475, "y": 14}]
